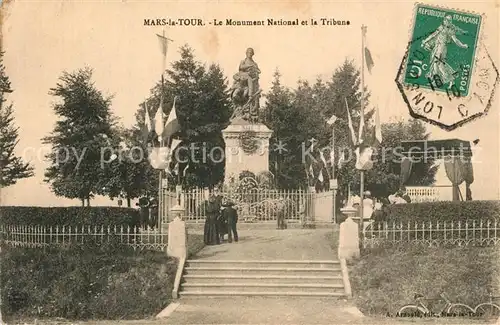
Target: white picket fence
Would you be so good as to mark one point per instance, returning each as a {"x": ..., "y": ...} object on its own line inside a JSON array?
[
  {"x": 43, "y": 236},
  {"x": 432, "y": 233}
]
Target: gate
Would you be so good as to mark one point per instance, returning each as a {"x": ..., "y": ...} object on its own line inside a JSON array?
[{"x": 257, "y": 205}]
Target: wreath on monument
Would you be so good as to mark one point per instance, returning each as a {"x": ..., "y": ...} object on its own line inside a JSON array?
[{"x": 249, "y": 142}]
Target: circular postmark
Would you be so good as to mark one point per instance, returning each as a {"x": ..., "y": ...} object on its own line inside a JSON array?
[{"x": 446, "y": 77}]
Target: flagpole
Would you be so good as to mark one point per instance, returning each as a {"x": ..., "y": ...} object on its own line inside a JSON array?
[
  {"x": 160, "y": 194},
  {"x": 334, "y": 194},
  {"x": 362, "y": 117}
]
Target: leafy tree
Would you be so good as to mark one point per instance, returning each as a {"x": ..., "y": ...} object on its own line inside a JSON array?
[
  {"x": 82, "y": 140},
  {"x": 130, "y": 175},
  {"x": 300, "y": 115},
  {"x": 12, "y": 168},
  {"x": 203, "y": 109}
]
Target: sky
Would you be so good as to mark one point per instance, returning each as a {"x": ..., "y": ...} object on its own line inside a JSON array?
[{"x": 41, "y": 40}]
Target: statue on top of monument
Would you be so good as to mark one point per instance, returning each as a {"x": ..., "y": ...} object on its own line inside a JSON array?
[{"x": 245, "y": 92}]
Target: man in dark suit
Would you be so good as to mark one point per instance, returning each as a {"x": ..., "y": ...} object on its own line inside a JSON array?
[{"x": 231, "y": 215}]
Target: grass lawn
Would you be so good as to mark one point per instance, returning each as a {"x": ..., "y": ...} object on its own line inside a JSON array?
[
  {"x": 383, "y": 280},
  {"x": 87, "y": 282}
]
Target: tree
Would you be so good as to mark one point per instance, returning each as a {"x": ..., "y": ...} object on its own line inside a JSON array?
[
  {"x": 203, "y": 109},
  {"x": 300, "y": 115},
  {"x": 130, "y": 175},
  {"x": 83, "y": 141},
  {"x": 12, "y": 167}
]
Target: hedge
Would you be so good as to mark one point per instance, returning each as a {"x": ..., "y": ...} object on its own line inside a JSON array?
[
  {"x": 84, "y": 282},
  {"x": 442, "y": 211},
  {"x": 69, "y": 216}
]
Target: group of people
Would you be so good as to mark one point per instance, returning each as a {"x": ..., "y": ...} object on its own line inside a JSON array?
[
  {"x": 371, "y": 206},
  {"x": 221, "y": 219}
]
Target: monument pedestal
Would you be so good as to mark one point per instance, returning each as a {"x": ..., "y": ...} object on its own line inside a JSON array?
[{"x": 247, "y": 148}]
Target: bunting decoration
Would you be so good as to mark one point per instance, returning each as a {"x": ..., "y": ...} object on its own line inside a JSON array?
[
  {"x": 320, "y": 176},
  {"x": 349, "y": 121}
]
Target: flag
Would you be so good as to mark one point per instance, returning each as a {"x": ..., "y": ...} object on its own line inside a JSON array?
[
  {"x": 311, "y": 170},
  {"x": 368, "y": 55},
  {"x": 378, "y": 128},
  {"x": 369, "y": 60},
  {"x": 320, "y": 176},
  {"x": 172, "y": 125},
  {"x": 331, "y": 120},
  {"x": 364, "y": 158},
  {"x": 159, "y": 120},
  {"x": 159, "y": 157},
  {"x": 342, "y": 159},
  {"x": 173, "y": 146},
  {"x": 322, "y": 157},
  {"x": 163, "y": 44},
  {"x": 147, "y": 123},
  {"x": 361, "y": 126},
  {"x": 185, "y": 169},
  {"x": 349, "y": 120},
  {"x": 147, "y": 118},
  {"x": 332, "y": 156}
]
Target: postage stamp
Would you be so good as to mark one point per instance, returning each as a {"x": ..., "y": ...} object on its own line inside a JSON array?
[{"x": 447, "y": 76}]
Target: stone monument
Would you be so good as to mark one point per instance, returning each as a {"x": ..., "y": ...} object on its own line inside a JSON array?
[{"x": 246, "y": 138}]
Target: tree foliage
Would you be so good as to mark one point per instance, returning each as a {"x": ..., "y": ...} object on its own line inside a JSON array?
[
  {"x": 12, "y": 167},
  {"x": 203, "y": 109},
  {"x": 82, "y": 140},
  {"x": 297, "y": 116}
]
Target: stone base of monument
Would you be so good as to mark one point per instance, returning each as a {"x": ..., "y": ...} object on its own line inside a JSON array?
[{"x": 247, "y": 148}]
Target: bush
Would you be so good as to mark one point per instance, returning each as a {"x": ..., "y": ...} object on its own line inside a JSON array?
[
  {"x": 442, "y": 211},
  {"x": 69, "y": 216},
  {"x": 85, "y": 282}
]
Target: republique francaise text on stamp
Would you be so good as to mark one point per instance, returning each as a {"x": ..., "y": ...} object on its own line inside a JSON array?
[{"x": 447, "y": 77}]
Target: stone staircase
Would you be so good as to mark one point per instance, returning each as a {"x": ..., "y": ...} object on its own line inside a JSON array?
[{"x": 262, "y": 278}]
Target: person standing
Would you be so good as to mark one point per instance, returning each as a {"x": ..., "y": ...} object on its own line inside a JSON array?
[
  {"x": 143, "y": 205},
  {"x": 211, "y": 232},
  {"x": 231, "y": 215}
]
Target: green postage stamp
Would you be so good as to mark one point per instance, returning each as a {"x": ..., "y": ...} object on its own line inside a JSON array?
[
  {"x": 447, "y": 39},
  {"x": 447, "y": 76}
]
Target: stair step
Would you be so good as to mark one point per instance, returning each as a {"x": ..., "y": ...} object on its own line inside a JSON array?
[
  {"x": 245, "y": 278},
  {"x": 263, "y": 269},
  {"x": 267, "y": 262},
  {"x": 263, "y": 263},
  {"x": 264, "y": 285},
  {"x": 267, "y": 287},
  {"x": 260, "y": 271},
  {"x": 209, "y": 293}
]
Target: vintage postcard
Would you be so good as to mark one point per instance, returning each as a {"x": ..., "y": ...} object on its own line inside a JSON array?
[{"x": 249, "y": 162}]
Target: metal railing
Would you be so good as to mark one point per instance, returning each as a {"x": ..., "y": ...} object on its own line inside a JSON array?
[
  {"x": 432, "y": 233},
  {"x": 43, "y": 236}
]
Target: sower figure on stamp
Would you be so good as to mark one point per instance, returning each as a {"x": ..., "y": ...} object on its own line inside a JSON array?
[
  {"x": 437, "y": 44},
  {"x": 231, "y": 215}
]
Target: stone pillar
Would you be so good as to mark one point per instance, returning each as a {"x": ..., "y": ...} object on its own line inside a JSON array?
[
  {"x": 247, "y": 148},
  {"x": 348, "y": 235},
  {"x": 177, "y": 234}
]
